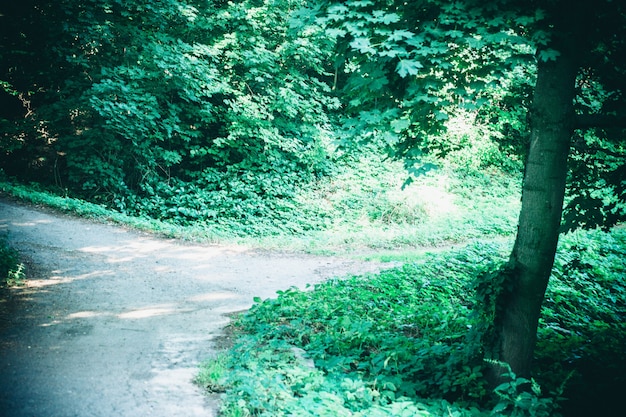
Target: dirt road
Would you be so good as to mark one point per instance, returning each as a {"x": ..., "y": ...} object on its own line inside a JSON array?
[{"x": 114, "y": 322}]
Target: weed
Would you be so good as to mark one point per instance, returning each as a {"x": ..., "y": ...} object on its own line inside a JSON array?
[
  {"x": 12, "y": 271},
  {"x": 212, "y": 374},
  {"x": 521, "y": 397},
  {"x": 16, "y": 276}
]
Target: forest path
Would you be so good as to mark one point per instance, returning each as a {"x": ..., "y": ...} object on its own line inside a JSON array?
[{"x": 114, "y": 322}]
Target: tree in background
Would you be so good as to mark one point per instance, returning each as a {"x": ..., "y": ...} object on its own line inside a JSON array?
[
  {"x": 176, "y": 109},
  {"x": 406, "y": 67}
]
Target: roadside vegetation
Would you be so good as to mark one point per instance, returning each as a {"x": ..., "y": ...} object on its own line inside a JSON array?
[
  {"x": 407, "y": 341},
  {"x": 12, "y": 271},
  {"x": 362, "y": 208}
]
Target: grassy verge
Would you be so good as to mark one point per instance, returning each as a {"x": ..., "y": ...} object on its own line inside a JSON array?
[
  {"x": 360, "y": 210},
  {"x": 82, "y": 208},
  {"x": 405, "y": 342}
]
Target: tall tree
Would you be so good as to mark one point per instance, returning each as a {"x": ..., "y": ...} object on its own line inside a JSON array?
[
  {"x": 408, "y": 65},
  {"x": 577, "y": 32}
]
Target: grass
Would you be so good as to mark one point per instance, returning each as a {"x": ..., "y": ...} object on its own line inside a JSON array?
[
  {"x": 212, "y": 374},
  {"x": 361, "y": 210},
  {"x": 373, "y": 211}
]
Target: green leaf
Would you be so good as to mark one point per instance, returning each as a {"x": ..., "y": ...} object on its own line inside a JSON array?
[
  {"x": 336, "y": 33},
  {"x": 503, "y": 387},
  {"x": 390, "y": 18},
  {"x": 496, "y": 22},
  {"x": 500, "y": 407},
  {"x": 456, "y": 34},
  {"x": 337, "y": 12},
  {"x": 363, "y": 45},
  {"x": 398, "y": 35},
  {"x": 360, "y": 3},
  {"x": 400, "y": 125},
  {"x": 439, "y": 115},
  {"x": 408, "y": 67}
]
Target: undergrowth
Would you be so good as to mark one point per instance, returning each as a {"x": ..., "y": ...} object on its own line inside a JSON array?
[
  {"x": 361, "y": 206},
  {"x": 403, "y": 342}
]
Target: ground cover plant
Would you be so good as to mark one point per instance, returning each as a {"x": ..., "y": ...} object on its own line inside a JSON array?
[
  {"x": 407, "y": 341},
  {"x": 11, "y": 269}
]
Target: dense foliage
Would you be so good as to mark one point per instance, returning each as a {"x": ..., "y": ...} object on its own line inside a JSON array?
[
  {"x": 204, "y": 111},
  {"x": 407, "y": 69},
  {"x": 406, "y": 342},
  {"x": 178, "y": 109},
  {"x": 208, "y": 111},
  {"x": 411, "y": 66}
]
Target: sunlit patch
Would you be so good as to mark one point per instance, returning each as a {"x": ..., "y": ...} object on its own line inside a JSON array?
[
  {"x": 166, "y": 378},
  {"x": 120, "y": 260},
  {"x": 212, "y": 296},
  {"x": 162, "y": 269},
  {"x": 134, "y": 248},
  {"x": 51, "y": 323},
  {"x": 434, "y": 201},
  {"x": 56, "y": 280},
  {"x": 143, "y": 313},
  {"x": 128, "y": 251},
  {"x": 97, "y": 249},
  {"x": 31, "y": 224},
  {"x": 84, "y": 315},
  {"x": 39, "y": 283}
]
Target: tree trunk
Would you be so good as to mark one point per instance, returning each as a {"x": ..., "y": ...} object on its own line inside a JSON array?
[{"x": 543, "y": 191}]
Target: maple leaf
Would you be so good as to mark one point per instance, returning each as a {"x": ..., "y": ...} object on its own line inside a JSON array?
[
  {"x": 408, "y": 67},
  {"x": 363, "y": 45}
]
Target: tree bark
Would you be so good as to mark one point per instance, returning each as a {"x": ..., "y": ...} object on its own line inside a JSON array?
[{"x": 543, "y": 191}]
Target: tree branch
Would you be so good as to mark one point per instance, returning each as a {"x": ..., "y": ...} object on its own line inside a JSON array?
[{"x": 587, "y": 121}]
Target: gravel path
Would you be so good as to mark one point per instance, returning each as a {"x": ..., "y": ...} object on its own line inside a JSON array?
[{"x": 114, "y": 322}]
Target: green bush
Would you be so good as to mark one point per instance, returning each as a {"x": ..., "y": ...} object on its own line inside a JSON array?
[
  {"x": 360, "y": 205},
  {"x": 247, "y": 203},
  {"x": 179, "y": 93}
]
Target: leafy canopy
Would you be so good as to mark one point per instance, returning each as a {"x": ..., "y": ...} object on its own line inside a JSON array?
[{"x": 407, "y": 68}]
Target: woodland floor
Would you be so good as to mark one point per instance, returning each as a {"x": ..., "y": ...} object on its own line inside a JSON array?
[{"x": 114, "y": 322}]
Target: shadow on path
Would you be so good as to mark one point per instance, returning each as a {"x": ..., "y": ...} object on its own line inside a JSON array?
[{"x": 114, "y": 322}]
